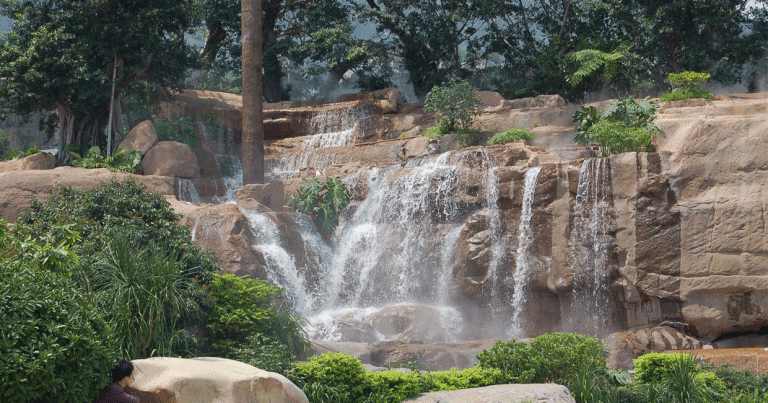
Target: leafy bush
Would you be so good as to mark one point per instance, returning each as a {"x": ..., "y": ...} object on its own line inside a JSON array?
[
  {"x": 589, "y": 62},
  {"x": 455, "y": 105},
  {"x": 344, "y": 375},
  {"x": 510, "y": 136},
  {"x": 323, "y": 201},
  {"x": 516, "y": 360},
  {"x": 120, "y": 161},
  {"x": 687, "y": 85},
  {"x": 627, "y": 125},
  {"x": 393, "y": 386},
  {"x": 653, "y": 367},
  {"x": 247, "y": 322},
  {"x": 743, "y": 382},
  {"x": 54, "y": 342},
  {"x": 117, "y": 207},
  {"x": 181, "y": 129},
  {"x": 677, "y": 378},
  {"x": 466, "y": 378},
  {"x": 145, "y": 294},
  {"x": 552, "y": 357}
]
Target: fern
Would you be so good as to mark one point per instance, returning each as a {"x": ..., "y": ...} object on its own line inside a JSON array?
[{"x": 592, "y": 61}]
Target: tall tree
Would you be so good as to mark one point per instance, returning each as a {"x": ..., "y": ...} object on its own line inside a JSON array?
[
  {"x": 252, "y": 61},
  {"x": 60, "y": 56}
]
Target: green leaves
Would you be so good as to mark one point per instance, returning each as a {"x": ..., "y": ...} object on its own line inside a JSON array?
[
  {"x": 455, "y": 104},
  {"x": 120, "y": 161},
  {"x": 589, "y": 62},
  {"x": 626, "y": 126},
  {"x": 323, "y": 201},
  {"x": 511, "y": 136},
  {"x": 687, "y": 85}
]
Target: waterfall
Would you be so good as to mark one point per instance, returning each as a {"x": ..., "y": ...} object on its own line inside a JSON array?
[
  {"x": 447, "y": 256},
  {"x": 335, "y": 128},
  {"x": 523, "y": 271},
  {"x": 280, "y": 265},
  {"x": 232, "y": 178},
  {"x": 498, "y": 246},
  {"x": 187, "y": 191},
  {"x": 589, "y": 249}
]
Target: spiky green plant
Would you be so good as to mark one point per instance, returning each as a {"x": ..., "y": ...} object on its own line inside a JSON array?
[
  {"x": 146, "y": 295},
  {"x": 324, "y": 201}
]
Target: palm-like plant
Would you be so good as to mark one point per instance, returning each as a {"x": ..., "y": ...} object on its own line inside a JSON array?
[{"x": 146, "y": 294}]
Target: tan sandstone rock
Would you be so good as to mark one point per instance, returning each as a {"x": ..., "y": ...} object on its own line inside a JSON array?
[
  {"x": 39, "y": 161},
  {"x": 141, "y": 138},
  {"x": 210, "y": 380},
  {"x": 271, "y": 195},
  {"x": 550, "y": 393},
  {"x": 19, "y": 189},
  {"x": 171, "y": 158}
]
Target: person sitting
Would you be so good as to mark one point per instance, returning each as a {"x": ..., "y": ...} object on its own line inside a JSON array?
[{"x": 122, "y": 377}]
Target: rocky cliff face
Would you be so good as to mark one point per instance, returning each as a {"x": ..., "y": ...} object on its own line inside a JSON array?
[{"x": 443, "y": 244}]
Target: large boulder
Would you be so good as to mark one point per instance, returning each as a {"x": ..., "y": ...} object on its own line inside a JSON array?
[
  {"x": 271, "y": 195},
  {"x": 39, "y": 161},
  {"x": 224, "y": 230},
  {"x": 210, "y": 380},
  {"x": 549, "y": 393},
  {"x": 19, "y": 189},
  {"x": 141, "y": 138},
  {"x": 171, "y": 158}
]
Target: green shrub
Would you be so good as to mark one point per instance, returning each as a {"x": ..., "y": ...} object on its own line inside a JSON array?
[
  {"x": 627, "y": 125},
  {"x": 517, "y": 361},
  {"x": 340, "y": 375},
  {"x": 324, "y": 201},
  {"x": 687, "y": 85},
  {"x": 181, "y": 129},
  {"x": 247, "y": 322},
  {"x": 120, "y": 161},
  {"x": 393, "y": 386},
  {"x": 145, "y": 294},
  {"x": 455, "y": 104},
  {"x": 654, "y": 367},
  {"x": 743, "y": 382},
  {"x": 510, "y": 136},
  {"x": 117, "y": 207},
  {"x": 466, "y": 378},
  {"x": 54, "y": 342}
]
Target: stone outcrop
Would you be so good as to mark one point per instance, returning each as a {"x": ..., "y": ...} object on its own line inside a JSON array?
[
  {"x": 624, "y": 346},
  {"x": 141, "y": 138},
  {"x": 35, "y": 162},
  {"x": 19, "y": 189},
  {"x": 210, "y": 380},
  {"x": 171, "y": 158},
  {"x": 549, "y": 393}
]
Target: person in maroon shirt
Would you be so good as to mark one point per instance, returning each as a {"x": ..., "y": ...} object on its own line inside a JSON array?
[{"x": 122, "y": 377}]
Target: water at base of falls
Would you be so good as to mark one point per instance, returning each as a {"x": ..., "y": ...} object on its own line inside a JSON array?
[{"x": 187, "y": 191}]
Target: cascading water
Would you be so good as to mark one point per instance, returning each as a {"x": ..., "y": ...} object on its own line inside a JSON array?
[
  {"x": 498, "y": 246},
  {"x": 337, "y": 128},
  {"x": 384, "y": 253},
  {"x": 523, "y": 270},
  {"x": 187, "y": 191},
  {"x": 589, "y": 249},
  {"x": 233, "y": 176},
  {"x": 280, "y": 265}
]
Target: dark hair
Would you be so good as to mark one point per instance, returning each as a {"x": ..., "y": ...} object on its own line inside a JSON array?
[{"x": 123, "y": 369}]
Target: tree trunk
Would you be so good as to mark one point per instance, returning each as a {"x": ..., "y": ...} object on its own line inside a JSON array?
[
  {"x": 253, "y": 123},
  {"x": 66, "y": 129}
]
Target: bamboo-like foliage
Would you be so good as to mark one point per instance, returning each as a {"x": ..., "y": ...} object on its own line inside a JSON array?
[{"x": 147, "y": 296}]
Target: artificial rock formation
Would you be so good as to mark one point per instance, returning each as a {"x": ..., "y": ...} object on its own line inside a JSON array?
[
  {"x": 141, "y": 138},
  {"x": 210, "y": 380},
  {"x": 35, "y": 162},
  {"x": 171, "y": 158},
  {"x": 20, "y": 188}
]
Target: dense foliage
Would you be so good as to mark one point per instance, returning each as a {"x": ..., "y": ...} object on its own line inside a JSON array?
[
  {"x": 54, "y": 341},
  {"x": 120, "y": 161},
  {"x": 324, "y": 201},
  {"x": 511, "y": 136},
  {"x": 60, "y": 56},
  {"x": 247, "y": 322},
  {"x": 687, "y": 85},
  {"x": 89, "y": 276},
  {"x": 455, "y": 105},
  {"x": 627, "y": 125}
]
